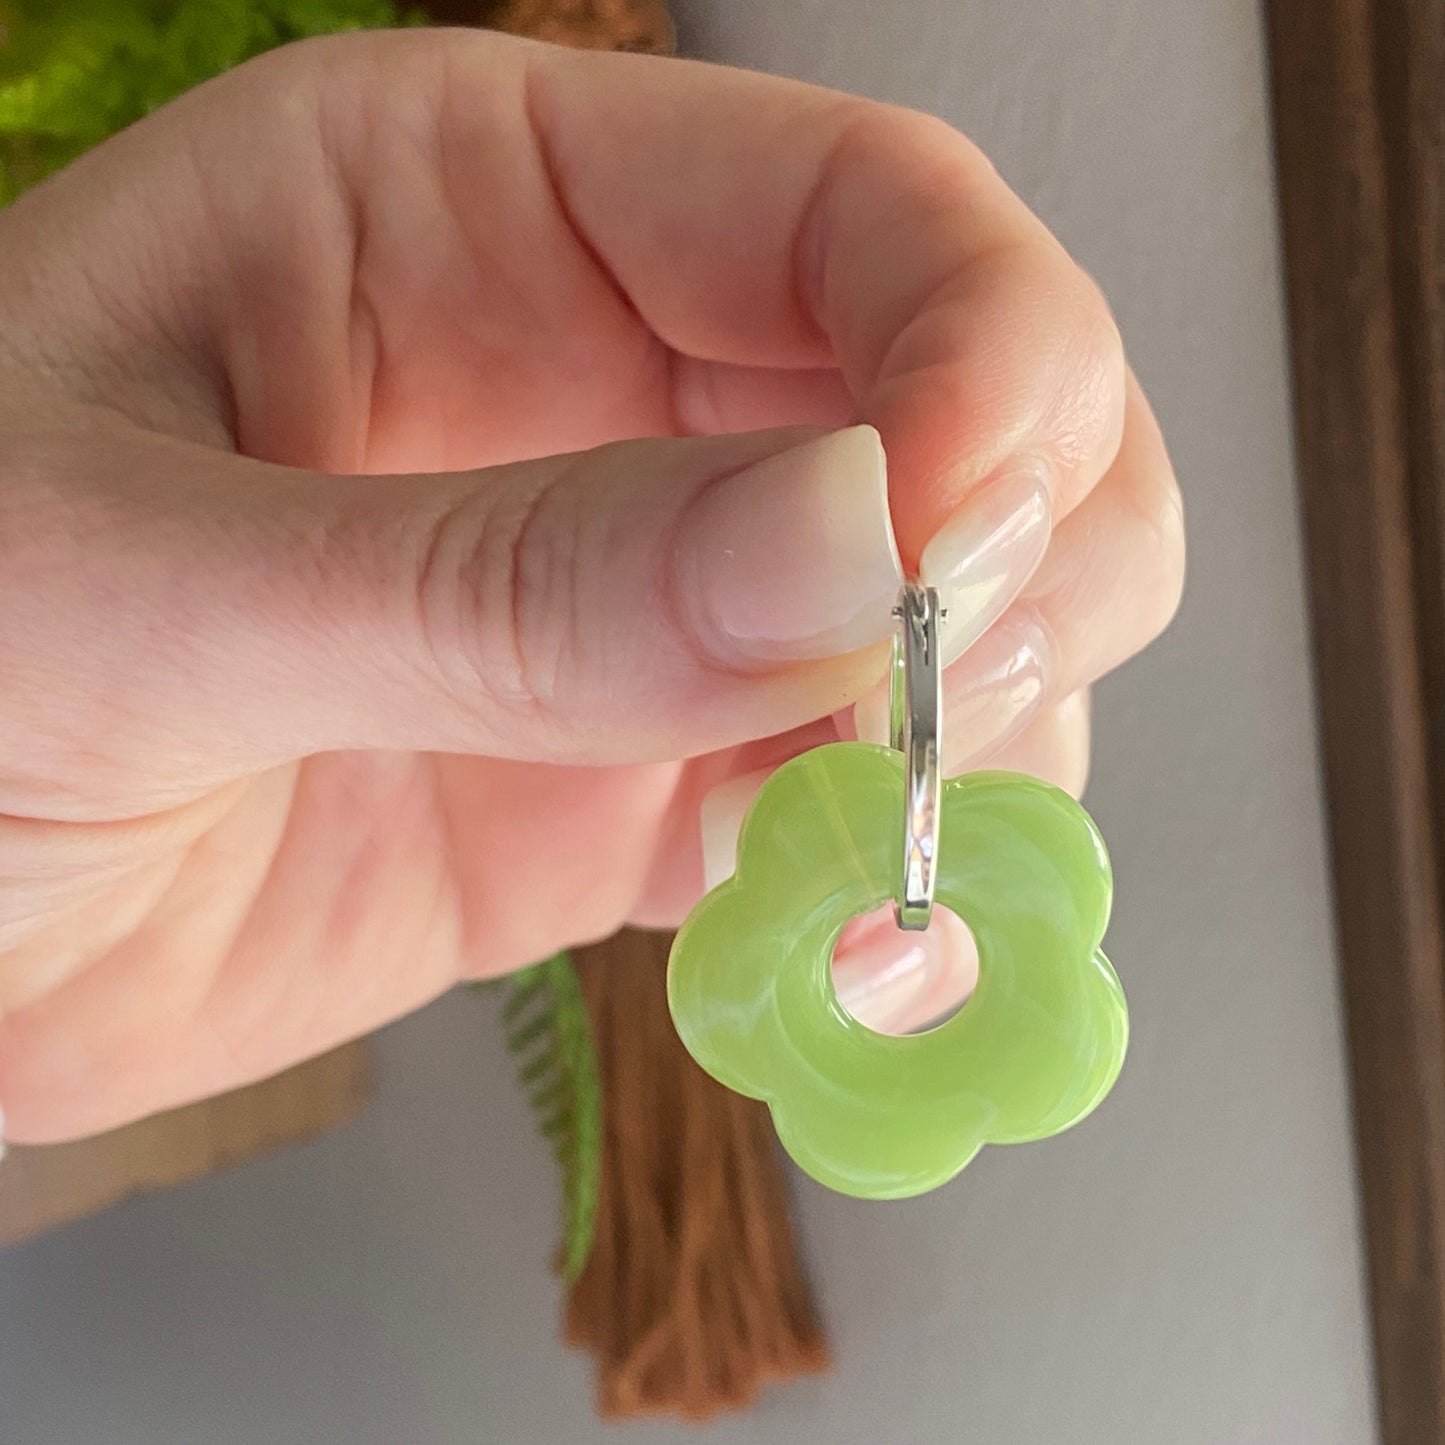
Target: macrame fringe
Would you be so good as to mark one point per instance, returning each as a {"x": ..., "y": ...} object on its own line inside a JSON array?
[{"x": 693, "y": 1298}]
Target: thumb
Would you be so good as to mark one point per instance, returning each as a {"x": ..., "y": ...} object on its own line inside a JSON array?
[{"x": 192, "y": 616}]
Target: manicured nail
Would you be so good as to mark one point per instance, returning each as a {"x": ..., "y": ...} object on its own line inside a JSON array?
[
  {"x": 896, "y": 982},
  {"x": 794, "y": 558},
  {"x": 981, "y": 557},
  {"x": 989, "y": 695},
  {"x": 721, "y": 816}
]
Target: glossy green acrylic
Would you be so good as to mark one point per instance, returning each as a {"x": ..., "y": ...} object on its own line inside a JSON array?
[{"x": 1035, "y": 1048}]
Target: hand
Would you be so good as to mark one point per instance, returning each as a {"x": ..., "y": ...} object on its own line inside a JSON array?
[{"x": 347, "y": 646}]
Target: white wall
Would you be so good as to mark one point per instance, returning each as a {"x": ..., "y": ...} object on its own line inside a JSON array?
[{"x": 1185, "y": 1269}]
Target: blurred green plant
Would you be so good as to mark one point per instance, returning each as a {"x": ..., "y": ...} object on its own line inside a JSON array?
[
  {"x": 73, "y": 72},
  {"x": 550, "y": 1037}
]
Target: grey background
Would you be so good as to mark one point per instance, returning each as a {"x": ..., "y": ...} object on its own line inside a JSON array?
[{"x": 1183, "y": 1269}]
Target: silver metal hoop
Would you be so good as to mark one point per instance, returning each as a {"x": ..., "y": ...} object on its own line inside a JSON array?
[{"x": 915, "y": 720}]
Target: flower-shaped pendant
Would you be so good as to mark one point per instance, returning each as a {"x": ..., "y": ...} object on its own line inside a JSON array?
[{"x": 1036, "y": 1046}]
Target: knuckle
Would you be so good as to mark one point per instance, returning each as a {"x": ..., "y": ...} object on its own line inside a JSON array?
[
  {"x": 395, "y": 84},
  {"x": 926, "y": 156},
  {"x": 1080, "y": 355},
  {"x": 1042, "y": 342},
  {"x": 891, "y": 161},
  {"x": 497, "y": 596},
  {"x": 901, "y": 162}
]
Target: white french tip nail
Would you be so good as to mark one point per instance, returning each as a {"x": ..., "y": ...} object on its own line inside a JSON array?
[
  {"x": 794, "y": 558},
  {"x": 721, "y": 816},
  {"x": 980, "y": 559}
]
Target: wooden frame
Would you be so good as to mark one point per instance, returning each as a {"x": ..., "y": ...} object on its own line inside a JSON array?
[{"x": 1360, "y": 135}]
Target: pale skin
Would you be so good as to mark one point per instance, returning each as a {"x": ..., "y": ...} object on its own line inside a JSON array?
[{"x": 317, "y": 696}]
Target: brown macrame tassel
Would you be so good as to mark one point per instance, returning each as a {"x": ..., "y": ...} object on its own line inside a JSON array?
[
  {"x": 693, "y": 1297},
  {"x": 587, "y": 24}
]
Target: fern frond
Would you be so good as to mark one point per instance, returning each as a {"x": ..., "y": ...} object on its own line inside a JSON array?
[{"x": 548, "y": 1032}]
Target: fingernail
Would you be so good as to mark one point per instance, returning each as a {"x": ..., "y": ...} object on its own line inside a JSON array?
[
  {"x": 989, "y": 695},
  {"x": 895, "y": 982},
  {"x": 721, "y": 816},
  {"x": 981, "y": 557},
  {"x": 996, "y": 689},
  {"x": 794, "y": 558}
]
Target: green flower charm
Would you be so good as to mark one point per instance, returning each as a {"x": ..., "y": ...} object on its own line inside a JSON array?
[{"x": 1035, "y": 1048}]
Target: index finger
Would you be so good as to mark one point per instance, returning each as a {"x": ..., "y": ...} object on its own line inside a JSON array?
[
  {"x": 381, "y": 224},
  {"x": 759, "y": 221}
]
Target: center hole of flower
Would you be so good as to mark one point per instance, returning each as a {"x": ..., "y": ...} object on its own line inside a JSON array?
[{"x": 904, "y": 983}]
